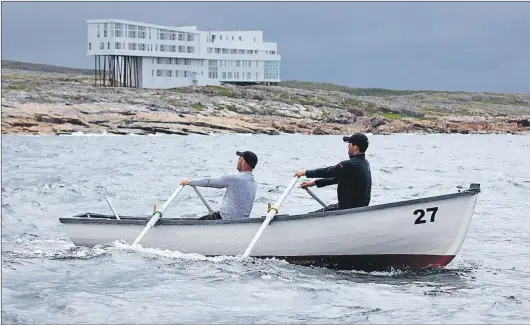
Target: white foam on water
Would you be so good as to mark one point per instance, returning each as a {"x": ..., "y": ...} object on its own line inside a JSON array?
[{"x": 173, "y": 254}]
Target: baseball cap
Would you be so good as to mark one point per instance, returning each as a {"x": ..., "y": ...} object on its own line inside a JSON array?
[
  {"x": 250, "y": 157},
  {"x": 358, "y": 139}
]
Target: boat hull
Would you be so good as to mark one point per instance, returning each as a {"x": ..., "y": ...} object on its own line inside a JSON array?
[{"x": 419, "y": 233}]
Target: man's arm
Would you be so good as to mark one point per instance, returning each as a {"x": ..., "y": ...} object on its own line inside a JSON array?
[
  {"x": 326, "y": 181},
  {"x": 217, "y": 182},
  {"x": 327, "y": 172}
]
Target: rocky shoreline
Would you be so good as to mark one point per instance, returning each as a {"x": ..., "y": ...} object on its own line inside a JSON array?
[{"x": 47, "y": 101}]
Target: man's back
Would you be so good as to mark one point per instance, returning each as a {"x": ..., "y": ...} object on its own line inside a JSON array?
[
  {"x": 354, "y": 180},
  {"x": 355, "y": 187},
  {"x": 239, "y": 197},
  {"x": 240, "y": 193}
]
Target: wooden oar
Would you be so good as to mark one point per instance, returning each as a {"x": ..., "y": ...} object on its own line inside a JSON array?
[
  {"x": 157, "y": 215},
  {"x": 271, "y": 213}
]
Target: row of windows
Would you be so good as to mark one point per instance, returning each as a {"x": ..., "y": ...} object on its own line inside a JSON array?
[
  {"x": 238, "y": 75},
  {"x": 133, "y": 31},
  {"x": 233, "y": 63},
  {"x": 239, "y": 38},
  {"x": 211, "y": 74},
  {"x": 178, "y": 61},
  {"x": 173, "y": 48},
  {"x": 172, "y": 73},
  {"x": 145, "y": 47},
  {"x": 218, "y": 50}
]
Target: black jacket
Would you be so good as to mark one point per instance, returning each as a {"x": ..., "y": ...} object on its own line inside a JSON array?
[{"x": 353, "y": 177}]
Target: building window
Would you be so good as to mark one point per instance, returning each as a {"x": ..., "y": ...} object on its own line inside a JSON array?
[
  {"x": 190, "y": 49},
  {"x": 187, "y": 62},
  {"x": 181, "y": 36},
  {"x": 108, "y": 45},
  {"x": 233, "y": 51},
  {"x": 248, "y": 75},
  {"x": 89, "y": 45},
  {"x": 240, "y": 38},
  {"x": 224, "y": 75},
  {"x": 153, "y": 72},
  {"x": 190, "y": 37},
  {"x": 210, "y": 50},
  {"x": 185, "y": 73},
  {"x": 159, "y": 72},
  {"x": 238, "y": 63}
]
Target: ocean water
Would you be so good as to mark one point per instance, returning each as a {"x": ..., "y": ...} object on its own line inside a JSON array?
[{"x": 47, "y": 280}]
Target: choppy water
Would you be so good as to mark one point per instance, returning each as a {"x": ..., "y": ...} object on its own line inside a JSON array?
[{"x": 45, "y": 279}]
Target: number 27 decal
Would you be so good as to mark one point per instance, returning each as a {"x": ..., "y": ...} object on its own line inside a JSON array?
[{"x": 421, "y": 214}]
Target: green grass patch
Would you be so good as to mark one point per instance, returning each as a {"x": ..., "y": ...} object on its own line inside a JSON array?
[
  {"x": 17, "y": 86},
  {"x": 231, "y": 108},
  {"x": 221, "y": 91},
  {"x": 172, "y": 102},
  {"x": 350, "y": 90},
  {"x": 392, "y": 116},
  {"x": 198, "y": 106}
]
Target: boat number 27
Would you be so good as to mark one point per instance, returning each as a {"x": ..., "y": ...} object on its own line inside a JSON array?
[{"x": 421, "y": 213}]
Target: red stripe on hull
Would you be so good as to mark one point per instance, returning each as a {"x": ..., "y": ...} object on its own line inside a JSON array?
[{"x": 369, "y": 262}]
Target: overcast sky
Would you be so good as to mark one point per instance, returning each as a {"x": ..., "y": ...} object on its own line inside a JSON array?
[{"x": 472, "y": 46}]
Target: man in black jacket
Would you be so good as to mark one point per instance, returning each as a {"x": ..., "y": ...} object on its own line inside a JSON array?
[{"x": 353, "y": 176}]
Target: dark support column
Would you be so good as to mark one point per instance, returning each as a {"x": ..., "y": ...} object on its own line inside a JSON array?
[{"x": 104, "y": 69}]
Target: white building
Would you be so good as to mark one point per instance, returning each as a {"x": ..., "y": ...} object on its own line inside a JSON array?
[{"x": 135, "y": 54}]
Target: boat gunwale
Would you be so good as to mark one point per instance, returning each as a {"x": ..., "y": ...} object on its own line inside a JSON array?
[{"x": 97, "y": 218}]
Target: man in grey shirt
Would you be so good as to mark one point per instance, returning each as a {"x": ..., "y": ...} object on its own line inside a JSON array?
[{"x": 240, "y": 189}]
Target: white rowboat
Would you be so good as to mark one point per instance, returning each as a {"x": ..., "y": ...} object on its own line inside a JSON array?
[{"x": 419, "y": 233}]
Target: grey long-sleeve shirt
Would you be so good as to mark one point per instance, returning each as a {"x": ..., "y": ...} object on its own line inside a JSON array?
[{"x": 240, "y": 193}]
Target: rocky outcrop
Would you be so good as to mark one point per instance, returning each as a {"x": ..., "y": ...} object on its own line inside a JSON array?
[{"x": 61, "y": 103}]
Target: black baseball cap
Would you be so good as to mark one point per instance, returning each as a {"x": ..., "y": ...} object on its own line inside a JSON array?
[
  {"x": 358, "y": 139},
  {"x": 250, "y": 157}
]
